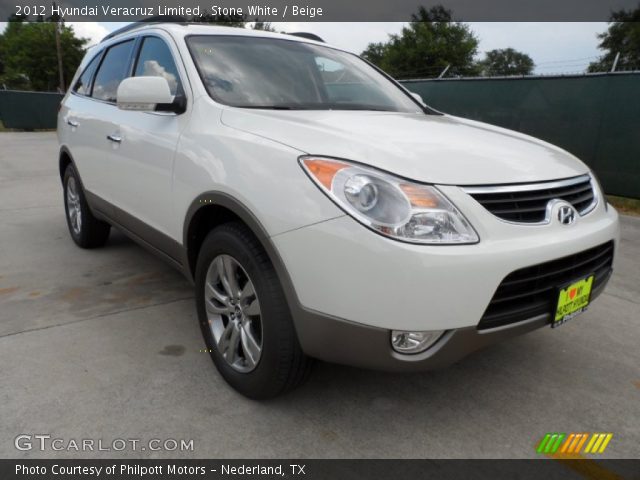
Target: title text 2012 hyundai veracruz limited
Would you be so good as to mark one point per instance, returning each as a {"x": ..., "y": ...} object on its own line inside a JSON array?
[{"x": 322, "y": 210}]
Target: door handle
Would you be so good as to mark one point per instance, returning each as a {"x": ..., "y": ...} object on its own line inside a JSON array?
[
  {"x": 114, "y": 137},
  {"x": 72, "y": 123}
]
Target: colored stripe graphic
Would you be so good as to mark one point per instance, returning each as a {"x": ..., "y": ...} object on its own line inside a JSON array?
[
  {"x": 556, "y": 445},
  {"x": 596, "y": 446},
  {"x": 577, "y": 440},
  {"x": 552, "y": 439},
  {"x": 550, "y": 442},
  {"x": 594, "y": 437},
  {"x": 605, "y": 443},
  {"x": 565, "y": 445},
  {"x": 581, "y": 442},
  {"x": 572, "y": 443},
  {"x": 543, "y": 443},
  {"x": 598, "y": 443}
]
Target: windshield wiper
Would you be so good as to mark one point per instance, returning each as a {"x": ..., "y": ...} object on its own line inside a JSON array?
[
  {"x": 320, "y": 106},
  {"x": 361, "y": 108},
  {"x": 268, "y": 107}
]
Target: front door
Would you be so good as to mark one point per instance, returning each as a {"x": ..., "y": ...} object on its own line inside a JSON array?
[{"x": 144, "y": 146}]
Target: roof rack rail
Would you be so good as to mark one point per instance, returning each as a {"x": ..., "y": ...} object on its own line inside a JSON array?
[
  {"x": 184, "y": 21},
  {"x": 144, "y": 22},
  {"x": 308, "y": 36}
]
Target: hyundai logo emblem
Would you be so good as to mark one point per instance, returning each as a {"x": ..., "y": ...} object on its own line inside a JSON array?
[{"x": 566, "y": 215}]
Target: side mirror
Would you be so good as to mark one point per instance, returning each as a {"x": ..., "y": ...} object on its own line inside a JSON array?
[
  {"x": 417, "y": 97},
  {"x": 143, "y": 93}
]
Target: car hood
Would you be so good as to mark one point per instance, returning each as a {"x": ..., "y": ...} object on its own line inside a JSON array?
[{"x": 429, "y": 148}]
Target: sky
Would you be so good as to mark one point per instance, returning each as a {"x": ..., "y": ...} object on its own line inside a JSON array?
[{"x": 555, "y": 47}]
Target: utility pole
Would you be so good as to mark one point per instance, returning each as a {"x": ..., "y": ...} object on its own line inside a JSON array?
[{"x": 57, "y": 20}]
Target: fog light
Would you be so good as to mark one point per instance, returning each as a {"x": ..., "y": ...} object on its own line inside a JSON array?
[{"x": 413, "y": 342}]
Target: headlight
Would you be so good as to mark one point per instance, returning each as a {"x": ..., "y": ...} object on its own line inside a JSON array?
[
  {"x": 390, "y": 205},
  {"x": 598, "y": 191}
]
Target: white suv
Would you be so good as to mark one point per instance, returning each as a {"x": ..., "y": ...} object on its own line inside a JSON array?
[{"x": 321, "y": 209}]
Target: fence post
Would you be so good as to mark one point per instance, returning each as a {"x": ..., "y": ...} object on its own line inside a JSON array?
[{"x": 615, "y": 62}]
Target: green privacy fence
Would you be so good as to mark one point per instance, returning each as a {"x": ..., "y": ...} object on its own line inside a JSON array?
[
  {"x": 595, "y": 117},
  {"x": 29, "y": 110}
]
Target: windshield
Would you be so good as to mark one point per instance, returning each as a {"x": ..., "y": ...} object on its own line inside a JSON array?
[{"x": 257, "y": 72}]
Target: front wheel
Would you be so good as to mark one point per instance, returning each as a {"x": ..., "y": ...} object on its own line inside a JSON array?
[{"x": 244, "y": 316}]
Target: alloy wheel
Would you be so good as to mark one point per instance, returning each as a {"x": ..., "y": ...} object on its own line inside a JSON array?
[
  {"x": 73, "y": 206},
  {"x": 233, "y": 313}
]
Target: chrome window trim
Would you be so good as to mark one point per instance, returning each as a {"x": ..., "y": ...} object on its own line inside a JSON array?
[
  {"x": 538, "y": 186},
  {"x": 139, "y": 41}
]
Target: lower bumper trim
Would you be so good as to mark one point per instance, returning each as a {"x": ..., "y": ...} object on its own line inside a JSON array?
[{"x": 339, "y": 341}]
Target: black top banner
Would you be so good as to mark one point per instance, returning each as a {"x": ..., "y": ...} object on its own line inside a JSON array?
[{"x": 317, "y": 10}]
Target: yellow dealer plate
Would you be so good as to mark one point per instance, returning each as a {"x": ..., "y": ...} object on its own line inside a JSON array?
[{"x": 572, "y": 300}]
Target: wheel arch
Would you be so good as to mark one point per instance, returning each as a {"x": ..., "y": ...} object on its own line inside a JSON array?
[
  {"x": 64, "y": 160},
  {"x": 213, "y": 208}
]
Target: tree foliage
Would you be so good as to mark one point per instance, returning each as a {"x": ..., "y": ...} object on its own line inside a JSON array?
[
  {"x": 29, "y": 57},
  {"x": 623, "y": 35},
  {"x": 375, "y": 53},
  {"x": 506, "y": 61},
  {"x": 430, "y": 43},
  {"x": 238, "y": 21},
  {"x": 264, "y": 26}
]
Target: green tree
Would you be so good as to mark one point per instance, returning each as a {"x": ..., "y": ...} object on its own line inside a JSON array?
[
  {"x": 506, "y": 61},
  {"x": 265, "y": 26},
  {"x": 431, "y": 42},
  {"x": 238, "y": 21},
  {"x": 29, "y": 57},
  {"x": 623, "y": 35},
  {"x": 375, "y": 53}
]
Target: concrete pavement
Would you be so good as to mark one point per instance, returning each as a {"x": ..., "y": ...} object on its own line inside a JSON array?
[{"x": 104, "y": 344}]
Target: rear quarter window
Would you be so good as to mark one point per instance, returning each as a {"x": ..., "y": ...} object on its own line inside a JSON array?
[{"x": 83, "y": 84}]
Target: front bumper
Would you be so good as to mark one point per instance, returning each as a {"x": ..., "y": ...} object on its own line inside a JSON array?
[
  {"x": 338, "y": 341},
  {"x": 353, "y": 286}
]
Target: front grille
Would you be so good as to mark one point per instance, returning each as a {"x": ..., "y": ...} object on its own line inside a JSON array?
[
  {"x": 531, "y": 291},
  {"x": 528, "y": 203}
]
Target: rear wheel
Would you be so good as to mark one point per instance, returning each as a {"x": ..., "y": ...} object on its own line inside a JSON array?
[
  {"x": 85, "y": 229},
  {"x": 244, "y": 316}
]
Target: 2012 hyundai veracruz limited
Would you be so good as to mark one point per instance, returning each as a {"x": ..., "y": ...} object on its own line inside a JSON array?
[{"x": 322, "y": 210}]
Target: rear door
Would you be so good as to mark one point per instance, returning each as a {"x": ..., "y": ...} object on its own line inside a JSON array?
[
  {"x": 74, "y": 127},
  {"x": 91, "y": 115}
]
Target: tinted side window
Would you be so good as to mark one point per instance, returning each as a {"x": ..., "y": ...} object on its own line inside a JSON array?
[
  {"x": 83, "y": 85},
  {"x": 155, "y": 60},
  {"x": 112, "y": 71}
]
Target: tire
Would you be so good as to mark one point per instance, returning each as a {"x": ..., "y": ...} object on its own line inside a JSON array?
[
  {"x": 261, "y": 319},
  {"x": 85, "y": 229}
]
